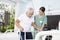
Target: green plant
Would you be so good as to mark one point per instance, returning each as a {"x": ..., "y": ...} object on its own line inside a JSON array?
[
  {"x": 3, "y": 30},
  {"x": 11, "y": 25}
]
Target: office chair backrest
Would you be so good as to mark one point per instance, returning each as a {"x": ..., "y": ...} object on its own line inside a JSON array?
[{"x": 52, "y": 21}]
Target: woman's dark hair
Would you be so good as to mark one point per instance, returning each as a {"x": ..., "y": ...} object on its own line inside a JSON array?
[{"x": 42, "y": 9}]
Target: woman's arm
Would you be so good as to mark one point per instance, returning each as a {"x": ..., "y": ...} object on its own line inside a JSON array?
[
  {"x": 43, "y": 25},
  {"x": 44, "y": 22}
]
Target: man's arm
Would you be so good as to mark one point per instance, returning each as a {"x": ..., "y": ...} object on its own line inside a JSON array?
[{"x": 18, "y": 25}]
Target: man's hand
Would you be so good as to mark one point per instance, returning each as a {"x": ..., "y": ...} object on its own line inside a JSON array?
[
  {"x": 21, "y": 29},
  {"x": 39, "y": 29}
]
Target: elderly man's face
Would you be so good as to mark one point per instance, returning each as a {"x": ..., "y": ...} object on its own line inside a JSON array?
[{"x": 30, "y": 12}]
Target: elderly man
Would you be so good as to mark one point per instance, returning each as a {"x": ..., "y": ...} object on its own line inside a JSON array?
[{"x": 25, "y": 22}]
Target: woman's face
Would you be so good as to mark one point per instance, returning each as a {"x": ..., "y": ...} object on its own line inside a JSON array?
[{"x": 41, "y": 12}]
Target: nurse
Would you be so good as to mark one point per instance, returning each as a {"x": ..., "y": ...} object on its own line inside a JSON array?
[{"x": 40, "y": 20}]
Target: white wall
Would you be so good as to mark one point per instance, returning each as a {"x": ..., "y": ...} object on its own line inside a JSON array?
[{"x": 51, "y": 6}]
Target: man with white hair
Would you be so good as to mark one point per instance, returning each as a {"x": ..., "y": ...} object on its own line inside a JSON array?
[{"x": 24, "y": 23}]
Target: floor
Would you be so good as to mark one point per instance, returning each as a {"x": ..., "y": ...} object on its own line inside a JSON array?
[{"x": 9, "y": 36}]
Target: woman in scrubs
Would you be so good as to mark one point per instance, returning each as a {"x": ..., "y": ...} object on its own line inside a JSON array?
[{"x": 40, "y": 20}]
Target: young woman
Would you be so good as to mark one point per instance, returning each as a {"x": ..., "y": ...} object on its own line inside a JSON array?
[{"x": 40, "y": 20}]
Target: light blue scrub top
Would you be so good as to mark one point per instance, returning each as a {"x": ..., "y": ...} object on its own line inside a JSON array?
[{"x": 39, "y": 21}]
